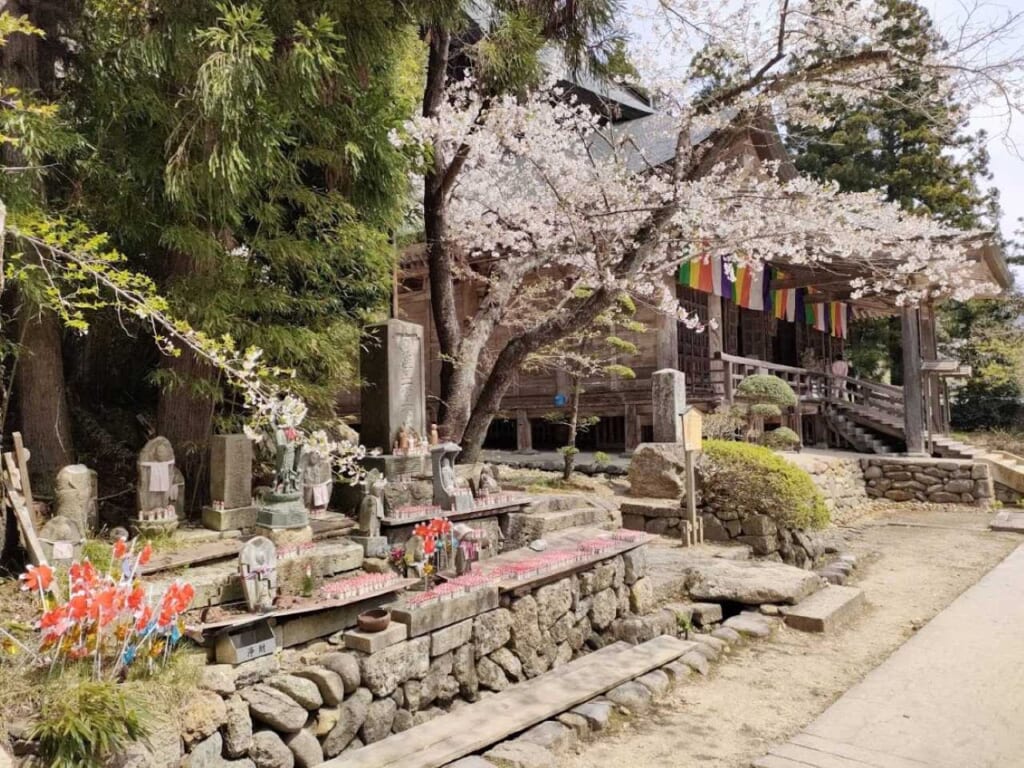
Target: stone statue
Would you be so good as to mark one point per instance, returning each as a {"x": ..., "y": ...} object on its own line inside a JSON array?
[
  {"x": 487, "y": 485},
  {"x": 62, "y": 539},
  {"x": 317, "y": 480},
  {"x": 289, "y": 453},
  {"x": 371, "y": 508},
  {"x": 257, "y": 566},
  {"x": 157, "y": 490},
  {"x": 76, "y": 492}
]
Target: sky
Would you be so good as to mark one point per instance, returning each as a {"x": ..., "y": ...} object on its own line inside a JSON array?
[{"x": 1006, "y": 137}]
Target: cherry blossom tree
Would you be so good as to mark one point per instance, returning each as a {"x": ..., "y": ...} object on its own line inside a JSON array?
[{"x": 553, "y": 213}]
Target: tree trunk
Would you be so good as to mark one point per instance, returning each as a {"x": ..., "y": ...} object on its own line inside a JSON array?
[
  {"x": 435, "y": 224},
  {"x": 574, "y": 422},
  {"x": 186, "y": 408},
  {"x": 40, "y": 393}
]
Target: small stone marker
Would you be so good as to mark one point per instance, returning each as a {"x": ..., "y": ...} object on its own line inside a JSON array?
[
  {"x": 447, "y": 493},
  {"x": 317, "y": 481},
  {"x": 62, "y": 539},
  {"x": 76, "y": 492},
  {"x": 825, "y": 610},
  {"x": 230, "y": 484},
  {"x": 371, "y": 512},
  {"x": 246, "y": 645},
  {"x": 257, "y": 567}
]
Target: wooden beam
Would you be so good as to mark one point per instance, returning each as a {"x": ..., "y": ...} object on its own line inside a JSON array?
[
  {"x": 913, "y": 405},
  {"x": 22, "y": 457},
  {"x": 22, "y": 513},
  {"x": 808, "y": 281}
]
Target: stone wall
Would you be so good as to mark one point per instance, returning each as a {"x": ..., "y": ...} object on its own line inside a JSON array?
[
  {"x": 939, "y": 481},
  {"x": 839, "y": 478},
  {"x": 727, "y": 525},
  {"x": 304, "y": 706}
]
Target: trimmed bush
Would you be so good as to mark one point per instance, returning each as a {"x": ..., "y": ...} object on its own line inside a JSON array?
[
  {"x": 782, "y": 439},
  {"x": 762, "y": 388},
  {"x": 756, "y": 481}
]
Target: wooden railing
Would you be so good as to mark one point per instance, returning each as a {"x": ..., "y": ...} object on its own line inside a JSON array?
[{"x": 810, "y": 386}]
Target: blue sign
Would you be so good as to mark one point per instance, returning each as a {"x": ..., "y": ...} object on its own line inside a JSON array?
[{"x": 560, "y": 400}]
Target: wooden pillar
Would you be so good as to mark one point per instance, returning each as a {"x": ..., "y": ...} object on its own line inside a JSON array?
[
  {"x": 524, "y": 434},
  {"x": 667, "y": 351},
  {"x": 913, "y": 410},
  {"x": 930, "y": 351},
  {"x": 632, "y": 427},
  {"x": 716, "y": 343}
]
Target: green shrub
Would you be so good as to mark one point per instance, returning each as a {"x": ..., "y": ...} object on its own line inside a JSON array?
[
  {"x": 82, "y": 725},
  {"x": 782, "y": 439},
  {"x": 764, "y": 410},
  {"x": 755, "y": 481},
  {"x": 724, "y": 424},
  {"x": 762, "y": 388}
]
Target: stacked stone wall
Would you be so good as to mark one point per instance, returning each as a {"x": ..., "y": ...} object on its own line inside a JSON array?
[
  {"x": 304, "y": 706},
  {"x": 939, "y": 481},
  {"x": 840, "y": 480}
]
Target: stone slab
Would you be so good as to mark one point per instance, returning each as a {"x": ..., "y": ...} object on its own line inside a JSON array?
[
  {"x": 239, "y": 518},
  {"x": 371, "y": 642},
  {"x": 442, "y": 613},
  {"x": 825, "y": 610},
  {"x": 474, "y": 728},
  {"x": 1005, "y": 520},
  {"x": 647, "y": 508},
  {"x": 750, "y": 582}
]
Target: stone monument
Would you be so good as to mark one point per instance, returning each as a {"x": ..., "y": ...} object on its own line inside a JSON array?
[
  {"x": 231, "y": 506},
  {"x": 371, "y": 512},
  {"x": 393, "y": 397},
  {"x": 257, "y": 567},
  {"x": 448, "y": 495},
  {"x": 76, "y": 492},
  {"x": 156, "y": 490},
  {"x": 668, "y": 391},
  {"x": 317, "y": 481}
]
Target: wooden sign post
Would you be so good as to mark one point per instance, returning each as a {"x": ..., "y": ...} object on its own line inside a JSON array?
[{"x": 693, "y": 423}]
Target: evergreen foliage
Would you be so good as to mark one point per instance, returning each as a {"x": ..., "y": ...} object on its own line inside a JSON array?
[{"x": 241, "y": 154}]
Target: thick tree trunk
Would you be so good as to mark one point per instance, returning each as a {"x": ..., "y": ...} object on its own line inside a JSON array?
[
  {"x": 439, "y": 257},
  {"x": 186, "y": 408},
  {"x": 40, "y": 394}
]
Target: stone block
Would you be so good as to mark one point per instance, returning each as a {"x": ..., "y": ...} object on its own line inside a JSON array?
[
  {"x": 761, "y": 545},
  {"x": 442, "y": 613},
  {"x": 824, "y": 610},
  {"x": 649, "y": 508},
  {"x": 231, "y": 471},
  {"x": 597, "y": 713},
  {"x": 656, "y": 681},
  {"x": 385, "y": 670},
  {"x": 631, "y": 696},
  {"x": 668, "y": 393},
  {"x": 750, "y": 624},
  {"x": 759, "y": 525},
  {"x": 240, "y": 518},
  {"x": 491, "y": 631},
  {"x": 656, "y": 470},
  {"x": 372, "y": 642},
  {"x": 521, "y": 754},
  {"x": 551, "y": 735},
  {"x": 392, "y": 368},
  {"x": 451, "y": 637},
  {"x": 697, "y": 662},
  {"x": 705, "y": 614},
  {"x": 635, "y": 561}
]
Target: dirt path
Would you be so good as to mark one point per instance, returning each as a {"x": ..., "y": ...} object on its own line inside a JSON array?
[{"x": 913, "y": 564}]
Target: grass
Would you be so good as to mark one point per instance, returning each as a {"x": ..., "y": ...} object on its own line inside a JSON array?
[{"x": 1009, "y": 440}]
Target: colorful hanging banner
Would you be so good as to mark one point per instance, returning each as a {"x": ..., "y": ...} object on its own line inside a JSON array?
[
  {"x": 839, "y": 318},
  {"x": 784, "y": 300},
  {"x": 750, "y": 288},
  {"x": 816, "y": 316}
]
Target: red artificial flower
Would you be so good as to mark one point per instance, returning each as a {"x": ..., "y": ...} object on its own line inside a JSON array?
[
  {"x": 422, "y": 530},
  {"x": 145, "y": 554},
  {"x": 428, "y": 545},
  {"x": 120, "y": 548},
  {"x": 83, "y": 574},
  {"x": 78, "y": 607},
  {"x": 136, "y": 598},
  {"x": 290, "y": 433},
  {"x": 144, "y": 618},
  {"x": 37, "y": 578}
]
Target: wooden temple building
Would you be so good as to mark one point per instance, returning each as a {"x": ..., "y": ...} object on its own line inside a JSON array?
[{"x": 788, "y": 320}]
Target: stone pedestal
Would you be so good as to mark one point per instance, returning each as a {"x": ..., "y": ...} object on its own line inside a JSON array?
[
  {"x": 286, "y": 537},
  {"x": 394, "y": 467},
  {"x": 238, "y": 519},
  {"x": 394, "y": 391},
  {"x": 373, "y": 546}
]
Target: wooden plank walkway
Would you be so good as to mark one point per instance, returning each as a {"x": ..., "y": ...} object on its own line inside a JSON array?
[
  {"x": 194, "y": 555},
  {"x": 479, "y": 726}
]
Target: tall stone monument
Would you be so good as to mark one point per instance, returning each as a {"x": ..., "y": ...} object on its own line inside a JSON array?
[
  {"x": 668, "y": 393},
  {"x": 394, "y": 398},
  {"x": 231, "y": 506}
]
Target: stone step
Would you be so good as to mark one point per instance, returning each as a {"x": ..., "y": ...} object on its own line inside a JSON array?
[
  {"x": 524, "y": 527},
  {"x": 1005, "y": 520},
  {"x": 825, "y": 610},
  {"x": 476, "y": 727}
]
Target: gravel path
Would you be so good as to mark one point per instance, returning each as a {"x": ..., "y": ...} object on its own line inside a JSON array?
[{"x": 913, "y": 562}]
